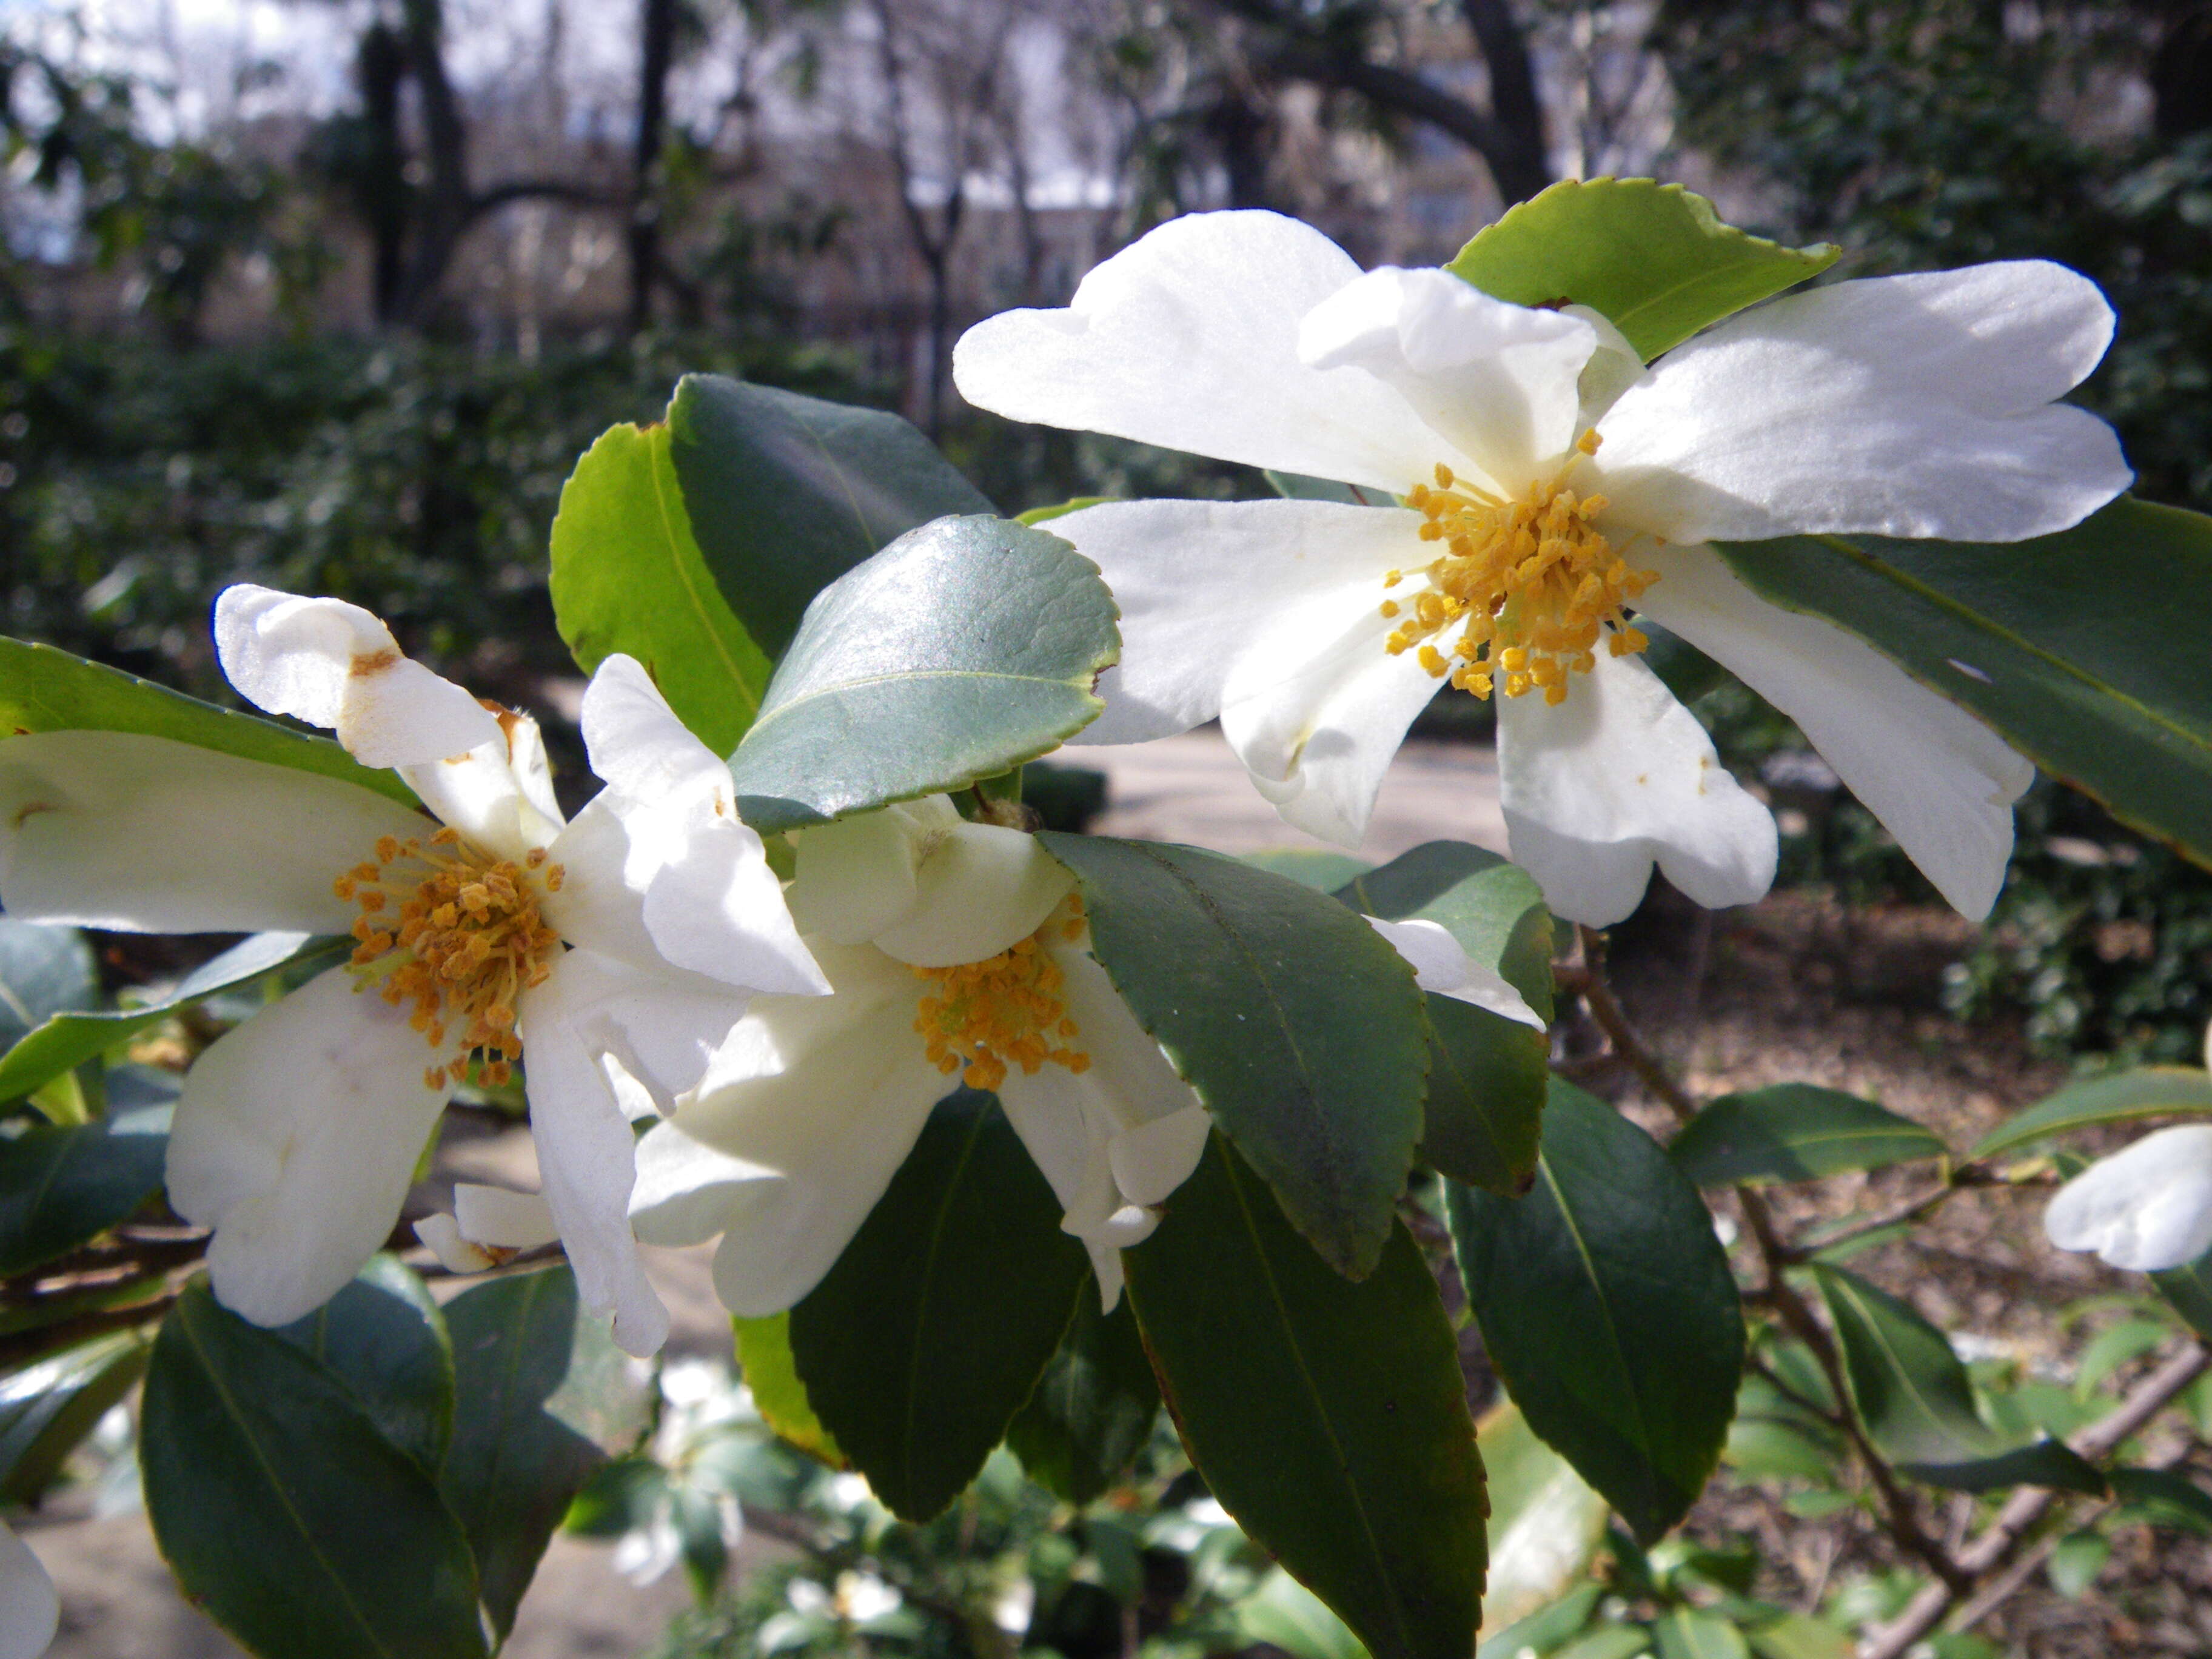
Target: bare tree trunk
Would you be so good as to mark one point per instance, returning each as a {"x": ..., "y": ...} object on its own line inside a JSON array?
[
  {"x": 380, "y": 68},
  {"x": 657, "y": 26},
  {"x": 446, "y": 207}
]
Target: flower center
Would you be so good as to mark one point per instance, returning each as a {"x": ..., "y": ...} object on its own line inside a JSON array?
[
  {"x": 1524, "y": 589},
  {"x": 1003, "y": 1012},
  {"x": 456, "y": 932}
]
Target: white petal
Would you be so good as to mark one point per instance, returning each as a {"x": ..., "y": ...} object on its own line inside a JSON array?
[
  {"x": 659, "y": 1026},
  {"x": 296, "y": 1139},
  {"x": 1939, "y": 780},
  {"x": 1618, "y": 777},
  {"x": 1613, "y": 367},
  {"x": 1200, "y": 583},
  {"x": 1441, "y": 965},
  {"x": 479, "y": 793},
  {"x": 856, "y": 877},
  {"x": 1188, "y": 337},
  {"x": 510, "y": 1220},
  {"x": 1916, "y": 405},
  {"x": 2147, "y": 1209},
  {"x": 335, "y": 664},
  {"x": 1152, "y": 1160},
  {"x": 1498, "y": 380},
  {"x": 455, "y": 1254},
  {"x": 635, "y": 742},
  {"x": 30, "y": 1611},
  {"x": 114, "y": 829},
  {"x": 1130, "y": 1075}
]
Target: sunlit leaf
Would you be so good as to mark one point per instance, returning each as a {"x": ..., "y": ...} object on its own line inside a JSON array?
[
  {"x": 2118, "y": 1098},
  {"x": 764, "y": 1349},
  {"x": 1794, "y": 1132}
]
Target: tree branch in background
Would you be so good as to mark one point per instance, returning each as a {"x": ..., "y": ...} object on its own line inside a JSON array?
[{"x": 657, "y": 51}]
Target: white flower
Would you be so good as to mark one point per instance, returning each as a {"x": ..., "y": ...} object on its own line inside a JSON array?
[
  {"x": 2146, "y": 1209},
  {"x": 30, "y": 1612},
  {"x": 1553, "y": 485},
  {"x": 488, "y": 1225},
  {"x": 637, "y": 932}
]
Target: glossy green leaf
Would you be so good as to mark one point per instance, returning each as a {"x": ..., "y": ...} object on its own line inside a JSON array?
[
  {"x": 384, "y": 1338},
  {"x": 1654, "y": 259},
  {"x": 541, "y": 1398},
  {"x": 2046, "y": 640},
  {"x": 66, "y": 1041},
  {"x": 2188, "y": 1291},
  {"x": 2120, "y": 1098},
  {"x": 60, "y": 1187},
  {"x": 48, "y": 1408},
  {"x": 1093, "y": 1408},
  {"x": 1284, "y": 1613},
  {"x": 1795, "y": 1132},
  {"x": 787, "y": 493},
  {"x": 1316, "y": 867},
  {"x": 960, "y": 651},
  {"x": 1915, "y": 1401},
  {"x": 1546, "y": 1522},
  {"x": 921, "y": 1344},
  {"x": 1487, "y": 1074},
  {"x": 44, "y": 689},
  {"x": 43, "y": 971},
  {"x": 1689, "y": 1633},
  {"x": 1327, "y": 1416},
  {"x": 2165, "y": 1497},
  {"x": 1608, "y": 1307},
  {"x": 764, "y": 1349},
  {"x": 1298, "y": 1027},
  {"x": 629, "y": 577},
  {"x": 284, "y": 1513}
]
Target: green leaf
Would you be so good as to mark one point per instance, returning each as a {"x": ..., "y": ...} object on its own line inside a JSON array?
[
  {"x": 1543, "y": 1631},
  {"x": 2113, "y": 1347},
  {"x": 43, "y": 971},
  {"x": 1794, "y": 1636},
  {"x": 921, "y": 1344},
  {"x": 1316, "y": 867},
  {"x": 1654, "y": 259},
  {"x": 2044, "y": 640},
  {"x": 541, "y": 1398},
  {"x": 384, "y": 1338},
  {"x": 763, "y": 1348},
  {"x": 2165, "y": 1497},
  {"x": 629, "y": 577},
  {"x": 787, "y": 493},
  {"x": 1298, "y": 1025},
  {"x": 1774, "y": 1438},
  {"x": 66, "y": 1041},
  {"x": 1686, "y": 1633},
  {"x": 1609, "y": 1308},
  {"x": 1487, "y": 1074},
  {"x": 2188, "y": 1291},
  {"x": 1609, "y": 1642},
  {"x": 1284, "y": 1613},
  {"x": 1298, "y": 487},
  {"x": 1092, "y": 1409},
  {"x": 1915, "y": 1401},
  {"x": 960, "y": 651},
  {"x": 43, "y": 690},
  {"x": 2120, "y": 1098},
  {"x": 1327, "y": 1416},
  {"x": 284, "y": 1513},
  {"x": 1545, "y": 1521},
  {"x": 1795, "y": 1132},
  {"x": 60, "y": 1187},
  {"x": 47, "y": 1409},
  {"x": 2075, "y": 1562}
]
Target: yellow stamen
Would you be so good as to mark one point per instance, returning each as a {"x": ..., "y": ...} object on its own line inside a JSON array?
[{"x": 1003, "y": 1013}]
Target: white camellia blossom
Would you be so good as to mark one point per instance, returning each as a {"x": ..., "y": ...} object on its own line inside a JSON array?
[
  {"x": 638, "y": 931},
  {"x": 2147, "y": 1209},
  {"x": 30, "y": 1612},
  {"x": 953, "y": 947},
  {"x": 1553, "y": 484}
]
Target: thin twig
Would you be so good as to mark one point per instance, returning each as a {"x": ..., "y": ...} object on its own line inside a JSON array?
[{"x": 1596, "y": 993}]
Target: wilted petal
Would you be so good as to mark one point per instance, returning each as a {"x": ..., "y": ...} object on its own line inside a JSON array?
[
  {"x": 30, "y": 1611},
  {"x": 296, "y": 1139},
  {"x": 2147, "y": 1209},
  {"x": 1618, "y": 777},
  {"x": 1939, "y": 780},
  {"x": 113, "y": 829},
  {"x": 1441, "y": 965},
  {"x": 1188, "y": 338},
  {"x": 335, "y": 664},
  {"x": 441, "y": 1233},
  {"x": 1917, "y": 406}
]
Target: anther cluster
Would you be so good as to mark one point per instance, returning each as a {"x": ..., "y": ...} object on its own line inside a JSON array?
[{"x": 1003, "y": 1012}]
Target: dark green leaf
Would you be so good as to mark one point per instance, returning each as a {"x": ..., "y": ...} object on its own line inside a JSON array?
[
  {"x": 1609, "y": 1308},
  {"x": 1093, "y": 1408},
  {"x": 383, "y": 1337},
  {"x": 59, "y": 1187},
  {"x": 43, "y": 690},
  {"x": 1492, "y": 908},
  {"x": 1915, "y": 1401},
  {"x": 788, "y": 493},
  {"x": 47, "y": 1409},
  {"x": 2167, "y": 1497},
  {"x": 629, "y": 577},
  {"x": 1652, "y": 257},
  {"x": 2121, "y": 1098},
  {"x": 1297, "y": 1024},
  {"x": 541, "y": 1398},
  {"x": 1329, "y": 1416},
  {"x": 960, "y": 651},
  {"x": 1795, "y": 1132},
  {"x": 282, "y": 1511},
  {"x": 2045, "y": 640},
  {"x": 43, "y": 971},
  {"x": 921, "y": 1344},
  {"x": 764, "y": 1347},
  {"x": 66, "y": 1041},
  {"x": 1316, "y": 867},
  {"x": 2188, "y": 1290}
]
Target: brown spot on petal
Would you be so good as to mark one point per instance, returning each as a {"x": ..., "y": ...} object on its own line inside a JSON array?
[
  {"x": 30, "y": 810},
  {"x": 375, "y": 663}
]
